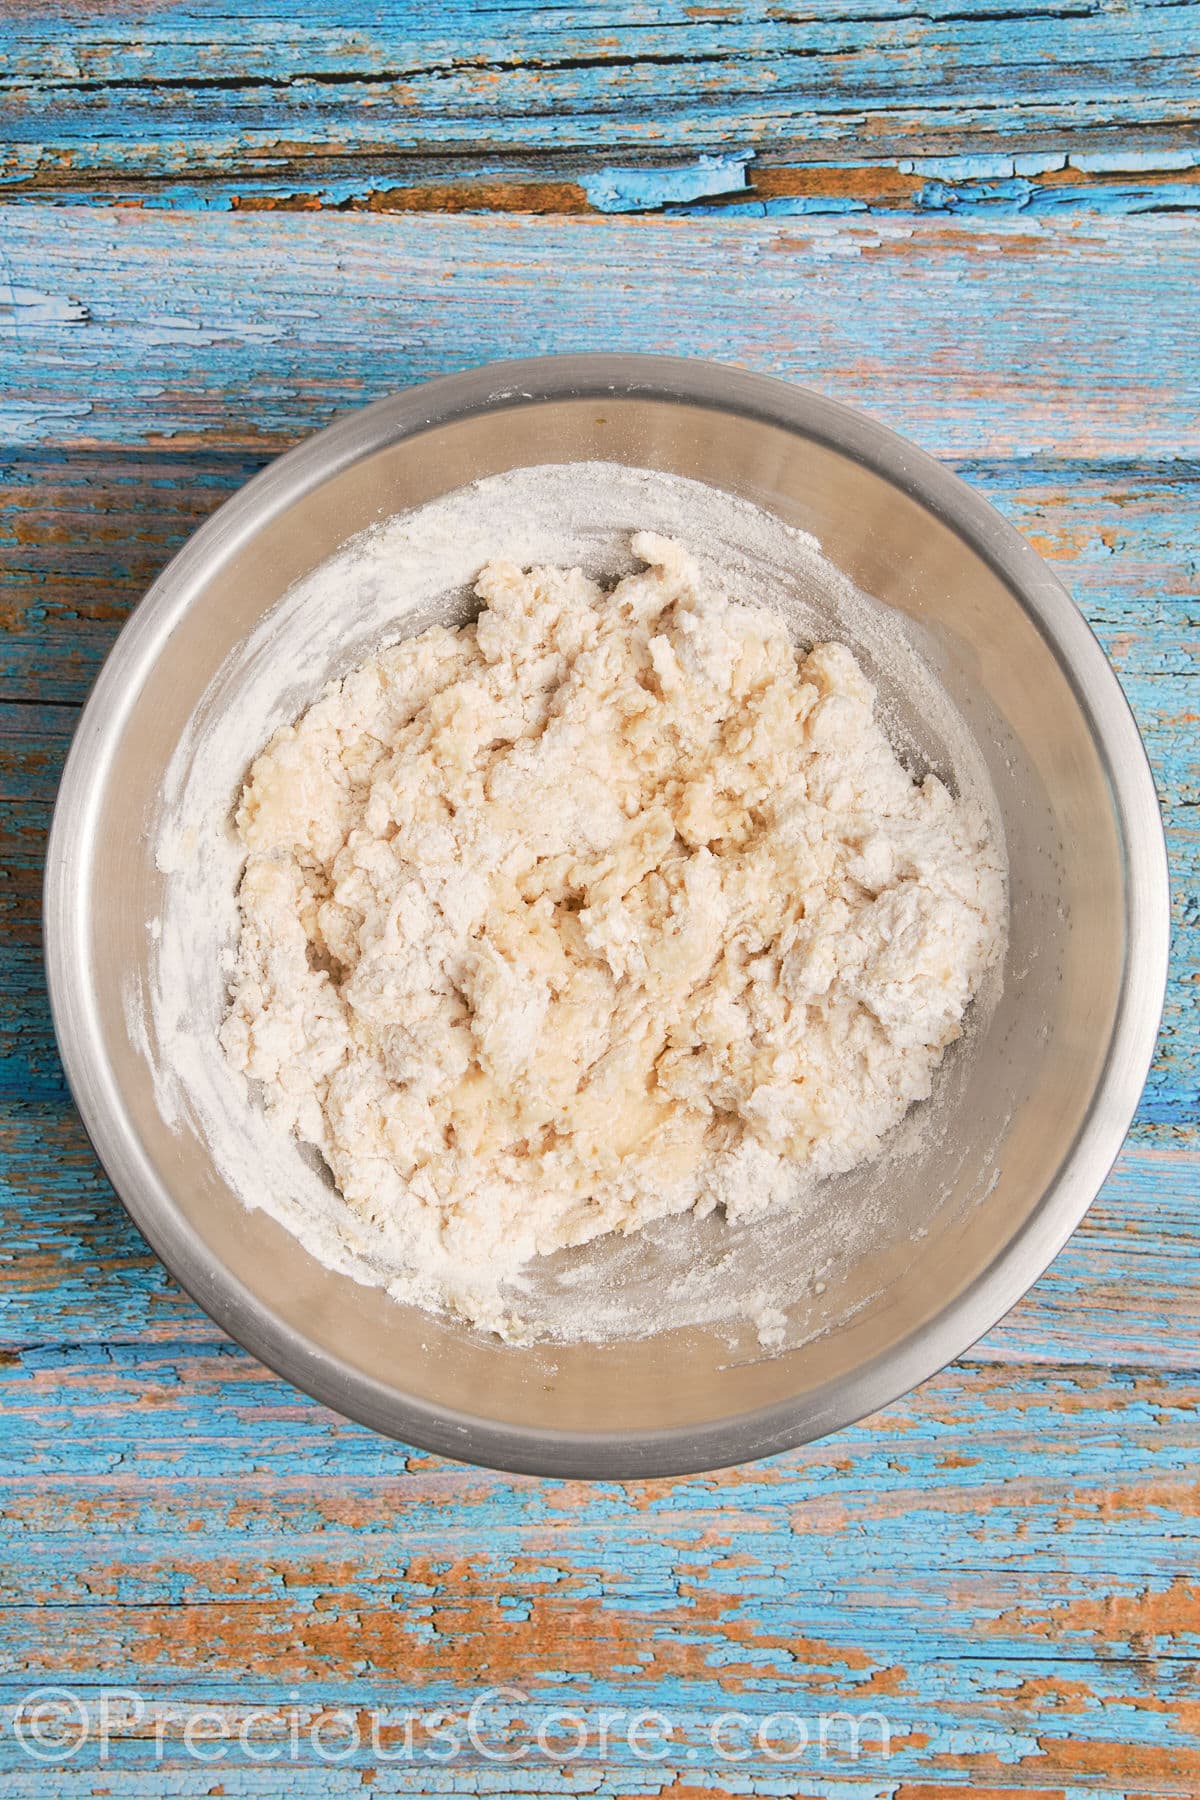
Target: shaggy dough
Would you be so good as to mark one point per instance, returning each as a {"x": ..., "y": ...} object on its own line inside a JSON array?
[{"x": 608, "y": 906}]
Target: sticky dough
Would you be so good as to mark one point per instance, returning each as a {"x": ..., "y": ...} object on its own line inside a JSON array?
[{"x": 607, "y": 906}]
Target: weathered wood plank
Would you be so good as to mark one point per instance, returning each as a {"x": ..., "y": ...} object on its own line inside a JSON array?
[
  {"x": 82, "y": 535},
  {"x": 74, "y": 1269},
  {"x": 980, "y": 340},
  {"x": 859, "y": 1574},
  {"x": 642, "y": 1779},
  {"x": 340, "y": 106},
  {"x": 1051, "y": 185}
]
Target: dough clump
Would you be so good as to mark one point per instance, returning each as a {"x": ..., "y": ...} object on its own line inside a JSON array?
[{"x": 607, "y": 906}]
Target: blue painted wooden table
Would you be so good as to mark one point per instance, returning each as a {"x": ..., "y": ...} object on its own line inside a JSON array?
[{"x": 976, "y": 218}]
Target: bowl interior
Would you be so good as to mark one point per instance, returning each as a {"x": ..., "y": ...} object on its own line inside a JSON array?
[{"x": 1018, "y": 1102}]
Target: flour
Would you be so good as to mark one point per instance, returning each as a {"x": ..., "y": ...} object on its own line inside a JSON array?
[
  {"x": 465, "y": 892},
  {"x": 604, "y": 908}
]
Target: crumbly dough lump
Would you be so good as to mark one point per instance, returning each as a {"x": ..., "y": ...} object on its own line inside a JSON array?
[{"x": 607, "y": 906}]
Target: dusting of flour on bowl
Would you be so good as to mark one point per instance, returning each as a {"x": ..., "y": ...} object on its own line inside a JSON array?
[{"x": 609, "y": 906}]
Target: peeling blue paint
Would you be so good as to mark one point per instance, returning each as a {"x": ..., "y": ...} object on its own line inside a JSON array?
[
  {"x": 797, "y": 206},
  {"x": 1012, "y": 196},
  {"x": 20, "y": 306},
  {"x": 975, "y": 168},
  {"x": 1132, "y": 162},
  {"x": 647, "y": 189},
  {"x": 30, "y": 421}
]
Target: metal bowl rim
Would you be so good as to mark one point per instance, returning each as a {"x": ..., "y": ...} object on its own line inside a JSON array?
[{"x": 1016, "y": 1264}]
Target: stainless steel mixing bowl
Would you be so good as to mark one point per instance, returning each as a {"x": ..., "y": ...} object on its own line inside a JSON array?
[{"x": 1043, "y": 1109}]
